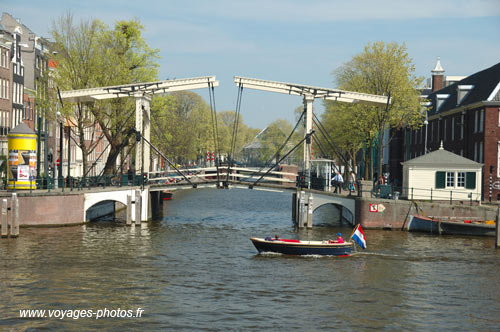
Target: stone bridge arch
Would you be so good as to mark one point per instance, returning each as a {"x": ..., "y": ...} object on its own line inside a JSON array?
[
  {"x": 120, "y": 195},
  {"x": 347, "y": 204}
]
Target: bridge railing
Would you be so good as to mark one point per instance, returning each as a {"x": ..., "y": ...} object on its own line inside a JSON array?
[
  {"x": 164, "y": 178},
  {"x": 390, "y": 191}
]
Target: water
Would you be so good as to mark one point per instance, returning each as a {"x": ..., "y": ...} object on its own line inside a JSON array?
[{"x": 196, "y": 270}]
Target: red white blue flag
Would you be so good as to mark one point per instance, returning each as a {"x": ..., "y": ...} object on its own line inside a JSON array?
[{"x": 359, "y": 236}]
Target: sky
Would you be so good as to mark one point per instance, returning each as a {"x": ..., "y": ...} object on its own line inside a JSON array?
[{"x": 293, "y": 41}]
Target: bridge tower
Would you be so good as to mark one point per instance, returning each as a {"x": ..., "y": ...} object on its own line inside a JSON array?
[
  {"x": 309, "y": 93},
  {"x": 142, "y": 92}
]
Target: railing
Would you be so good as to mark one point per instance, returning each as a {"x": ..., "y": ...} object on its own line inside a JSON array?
[
  {"x": 424, "y": 194},
  {"x": 73, "y": 183}
]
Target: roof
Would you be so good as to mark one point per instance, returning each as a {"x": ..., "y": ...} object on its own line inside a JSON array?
[
  {"x": 22, "y": 129},
  {"x": 438, "y": 69},
  {"x": 442, "y": 157},
  {"x": 485, "y": 86}
]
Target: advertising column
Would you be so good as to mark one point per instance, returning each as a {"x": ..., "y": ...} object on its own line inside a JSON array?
[{"x": 21, "y": 171}]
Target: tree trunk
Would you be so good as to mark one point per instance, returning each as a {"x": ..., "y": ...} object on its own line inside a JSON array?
[
  {"x": 380, "y": 159},
  {"x": 367, "y": 159}
]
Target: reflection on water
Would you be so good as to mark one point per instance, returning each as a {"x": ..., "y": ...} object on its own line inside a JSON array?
[{"x": 197, "y": 270}]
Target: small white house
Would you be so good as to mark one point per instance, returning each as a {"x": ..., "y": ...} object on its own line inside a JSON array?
[{"x": 442, "y": 175}]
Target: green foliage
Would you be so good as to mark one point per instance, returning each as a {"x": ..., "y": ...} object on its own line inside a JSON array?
[
  {"x": 273, "y": 138},
  {"x": 381, "y": 69},
  {"x": 91, "y": 55}
]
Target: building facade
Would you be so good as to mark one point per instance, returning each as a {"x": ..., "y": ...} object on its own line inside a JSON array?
[
  {"x": 464, "y": 116},
  {"x": 6, "y": 42}
]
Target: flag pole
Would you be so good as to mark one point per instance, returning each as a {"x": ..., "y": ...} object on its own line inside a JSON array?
[{"x": 353, "y": 231}]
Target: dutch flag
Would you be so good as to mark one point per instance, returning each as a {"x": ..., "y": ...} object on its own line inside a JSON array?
[{"x": 359, "y": 236}]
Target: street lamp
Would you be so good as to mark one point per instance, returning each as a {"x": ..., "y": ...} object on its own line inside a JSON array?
[
  {"x": 59, "y": 167},
  {"x": 426, "y": 125}
]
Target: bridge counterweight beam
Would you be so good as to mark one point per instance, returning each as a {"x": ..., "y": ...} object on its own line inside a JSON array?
[
  {"x": 310, "y": 211},
  {"x": 308, "y": 120},
  {"x": 142, "y": 125}
]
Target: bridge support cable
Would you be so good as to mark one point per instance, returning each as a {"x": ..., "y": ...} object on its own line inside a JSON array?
[
  {"x": 328, "y": 138},
  {"x": 213, "y": 112},
  {"x": 235, "y": 130},
  {"x": 122, "y": 145},
  {"x": 324, "y": 153},
  {"x": 275, "y": 156},
  {"x": 164, "y": 157},
  {"x": 158, "y": 133},
  {"x": 307, "y": 137}
]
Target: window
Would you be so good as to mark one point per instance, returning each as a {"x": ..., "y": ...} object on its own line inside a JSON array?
[
  {"x": 481, "y": 152},
  {"x": 453, "y": 128},
  {"x": 481, "y": 121},
  {"x": 450, "y": 179},
  {"x": 462, "y": 124},
  {"x": 445, "y": 133},
  {"x": 476, "y": 121},
  {"x": 461, "y": 179},
  {"x": 498, "y": 159}
]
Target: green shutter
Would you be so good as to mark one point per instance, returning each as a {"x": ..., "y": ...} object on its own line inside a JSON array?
[
  {"x": 440, "y": 180},
  {"x": 470, "y": 180}
]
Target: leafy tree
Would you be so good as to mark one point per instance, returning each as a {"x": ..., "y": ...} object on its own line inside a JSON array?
[
  {"x": 381, "y": 69},
  {"x": 91, "y": 55},
  {"x": 78, "y": 52},
  {"x": 274, "y": 137},
  {"x": 182, "y": 125}
]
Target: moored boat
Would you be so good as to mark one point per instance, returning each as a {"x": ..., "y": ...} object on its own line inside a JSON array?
[
  {"x": 297, "y": 247},
  {"x": 167, "y": 195},
  {"x": 419, "y": 223}
]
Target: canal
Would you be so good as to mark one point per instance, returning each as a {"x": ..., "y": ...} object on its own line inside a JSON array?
[{"x": 196, "y": 270}]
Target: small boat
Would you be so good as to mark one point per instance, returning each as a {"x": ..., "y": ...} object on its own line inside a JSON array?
[
  {"x": 297, "y": 247},
  {"x": 166, "y": 195},
  {"x": 419, "y": 223}
]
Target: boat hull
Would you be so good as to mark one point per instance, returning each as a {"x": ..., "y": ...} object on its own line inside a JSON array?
[
  {"x": 458, "y": 228},
  {"x": 437, "y": 226},
  {"x": 423, "y": 224},
  {"x": 303, "y": 247}
]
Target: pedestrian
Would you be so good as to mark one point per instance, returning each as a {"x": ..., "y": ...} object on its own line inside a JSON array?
[
  {"x": 339, "y": 182},
  {"x": 352, "y": 182}
]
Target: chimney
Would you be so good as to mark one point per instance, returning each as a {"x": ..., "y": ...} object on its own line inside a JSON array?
[{"x": 437, "y": 76}]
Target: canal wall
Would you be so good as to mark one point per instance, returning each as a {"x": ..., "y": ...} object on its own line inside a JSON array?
[
  {"x": 49, "y": 209},
  {"x": 41, "y": 208},
  {"x": 388, "y": 213}
]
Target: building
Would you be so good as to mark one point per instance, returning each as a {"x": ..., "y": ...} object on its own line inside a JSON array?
[
  {"x": 464, "y": 115},
  {"x": 6, "y": 43},
  {"x": 442, "y": 176}
]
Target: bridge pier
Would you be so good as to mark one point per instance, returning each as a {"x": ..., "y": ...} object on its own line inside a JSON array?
[
  {"x": 138, "y": 206},
  {"x": 304, "y": 202},
  {"x": 302, "y": 209}
]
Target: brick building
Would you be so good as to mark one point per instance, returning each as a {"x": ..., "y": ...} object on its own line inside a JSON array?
[
  {"x": 464, "y": 116},
  {"x": 6, "y": 41}
]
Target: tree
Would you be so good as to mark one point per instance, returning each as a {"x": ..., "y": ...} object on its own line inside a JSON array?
[
  {"x": 182, "y": 126},
  {"x": 91, "y": 55},
  {"x": 78, "y": 53},
  {"x": 273, "y": 139},
  {"x": 381, "y": 69},
  {"x": 126, "y": 59}
]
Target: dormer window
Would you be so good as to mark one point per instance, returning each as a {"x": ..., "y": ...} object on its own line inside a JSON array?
[
  {"x": 440, "y": 100},
  {"x": 462, "y": 91}
]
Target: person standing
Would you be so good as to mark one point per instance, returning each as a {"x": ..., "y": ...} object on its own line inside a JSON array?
[
  {"x": 352, "y": 182},
  {"x": 339, "y": 182}
]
